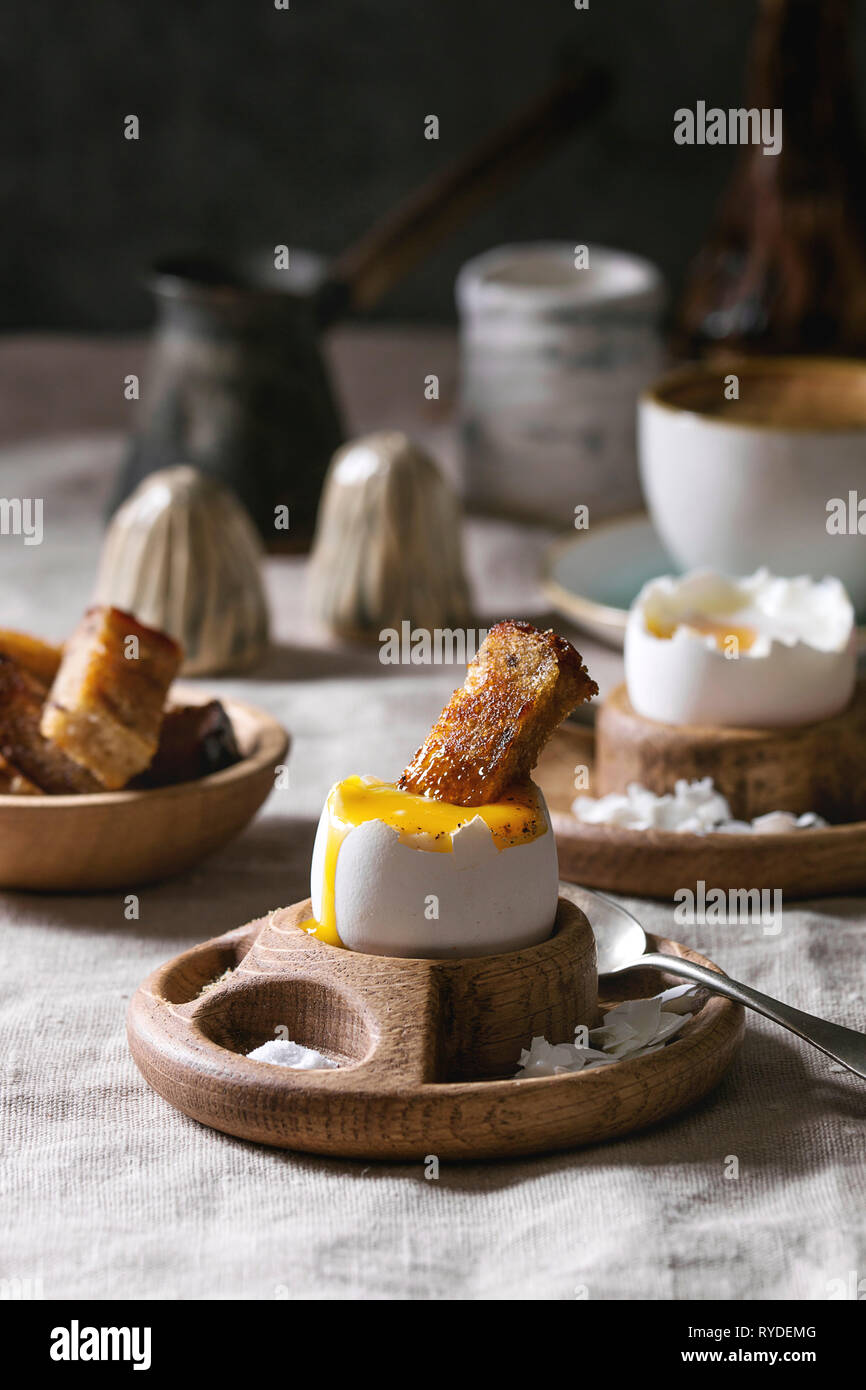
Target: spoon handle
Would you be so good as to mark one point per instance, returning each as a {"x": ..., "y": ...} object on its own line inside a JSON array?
[{"x": 843, "y": 1044}]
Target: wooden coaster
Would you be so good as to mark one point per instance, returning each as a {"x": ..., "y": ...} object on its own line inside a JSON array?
[
  {"x": 657, "y": 863},
  {"x": 411, "y": 1037},
  {"x": 810, "y": 767}
]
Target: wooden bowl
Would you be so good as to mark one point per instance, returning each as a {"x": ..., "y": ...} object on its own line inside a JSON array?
[
  {"x": 427, "y": 1049},
  {"x": 120, "y": 840}
]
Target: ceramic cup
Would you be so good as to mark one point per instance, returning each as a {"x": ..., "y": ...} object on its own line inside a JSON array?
[
  {"x": 554, "y": 353},
  {"x": 772, "y": 478}
]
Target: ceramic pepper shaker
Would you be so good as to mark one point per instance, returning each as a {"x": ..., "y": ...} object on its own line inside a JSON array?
[
  {"x": 183, "y": 555},
  {"x": 387, "y": 546}
]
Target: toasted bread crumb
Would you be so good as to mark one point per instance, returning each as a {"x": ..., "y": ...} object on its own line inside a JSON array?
[
  {"x": 37, "y": 658},
  {"x": 13, "y": 782},
  {"x": 105, "y": 708},
  {"x": 22, "y": 744}
]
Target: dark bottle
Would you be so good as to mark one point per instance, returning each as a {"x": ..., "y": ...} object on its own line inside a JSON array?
[{"x": 784, "y": 269}]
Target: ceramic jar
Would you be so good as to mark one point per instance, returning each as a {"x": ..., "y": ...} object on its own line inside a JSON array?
[
  {"x": 235, "y": 385},
  {"x": 557, "y": 342}
]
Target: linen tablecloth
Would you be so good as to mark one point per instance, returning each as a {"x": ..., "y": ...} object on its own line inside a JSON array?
[{"x": 109, "y": 1193}]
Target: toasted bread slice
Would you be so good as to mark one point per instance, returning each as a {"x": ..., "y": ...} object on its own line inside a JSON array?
[
  {"x": 40, "y": 659},
  {"x": 520, "y": 686},
  {"x": 195, "y": 740},
  {"x": 105, "y": 708},
  {"x": 14, "y": 783},
  {"x": 23, "y": 745}
]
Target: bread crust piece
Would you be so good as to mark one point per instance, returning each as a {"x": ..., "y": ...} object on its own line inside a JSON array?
[
  {"x": 38, "y": 658},
  {"x": 14, "y": 783},
  {"x": 23, "y": 745},
  {"x": 195, "y": 741},
  {"x": 105, "y": 708},
  {"x": 519, "y": 687}
]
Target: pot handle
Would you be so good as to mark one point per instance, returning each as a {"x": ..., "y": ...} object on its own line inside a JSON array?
[{"x": 364, "y": 272}]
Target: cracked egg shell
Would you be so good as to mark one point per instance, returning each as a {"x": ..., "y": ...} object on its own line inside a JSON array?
[
  {"x": 392, "y": 897},
  {"x": 758, "y": 652}
]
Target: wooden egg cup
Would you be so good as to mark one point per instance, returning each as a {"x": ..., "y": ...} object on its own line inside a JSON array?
[
  {"x": 811, "y": 767},
  {"x": 417, "y": 1042}
]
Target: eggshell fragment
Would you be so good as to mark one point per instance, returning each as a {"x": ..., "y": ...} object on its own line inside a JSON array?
[{"x": 394, "y": 899}]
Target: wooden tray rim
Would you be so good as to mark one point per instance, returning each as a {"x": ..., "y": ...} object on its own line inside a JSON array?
[{"x": 687, "y": 840}]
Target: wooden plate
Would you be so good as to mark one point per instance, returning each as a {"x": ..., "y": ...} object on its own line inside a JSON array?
[
  {"x": 119, "y": 840},
  {"x": 409, "y": 1036},
  {"x": 656, "y": 863}
]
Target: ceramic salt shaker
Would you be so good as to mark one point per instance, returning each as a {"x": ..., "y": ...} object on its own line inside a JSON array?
[
  {"x": 387, "y": 546},
  {"x": 182, "y": 555}
]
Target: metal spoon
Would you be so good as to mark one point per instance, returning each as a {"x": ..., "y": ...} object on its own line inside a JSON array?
[{"x": 621, "y": 943}]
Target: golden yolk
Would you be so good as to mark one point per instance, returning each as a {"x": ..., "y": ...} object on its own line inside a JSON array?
[
  {"x": 710, "y": 627},
  {"x": 515, "y": 820}
]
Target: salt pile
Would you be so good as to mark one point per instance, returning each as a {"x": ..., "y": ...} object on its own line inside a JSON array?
[{"x": 290, "y": 1054}]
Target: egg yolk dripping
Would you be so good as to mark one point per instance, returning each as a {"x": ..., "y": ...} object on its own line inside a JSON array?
[{"x": 421, "y": 822}]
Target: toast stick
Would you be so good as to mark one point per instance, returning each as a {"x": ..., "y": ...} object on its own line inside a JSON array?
[{"x": 520, "y": 686}]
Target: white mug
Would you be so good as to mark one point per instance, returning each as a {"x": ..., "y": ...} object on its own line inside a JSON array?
[{"x": 760, "y": 462}]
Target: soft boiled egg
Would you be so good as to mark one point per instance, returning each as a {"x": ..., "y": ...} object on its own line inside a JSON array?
[
  {"x": 398, "y": 874},
  {"x": 755, "y": 652}
]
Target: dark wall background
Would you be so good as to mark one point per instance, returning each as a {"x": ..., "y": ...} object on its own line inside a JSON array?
[{"x": 261, "y": 126}]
